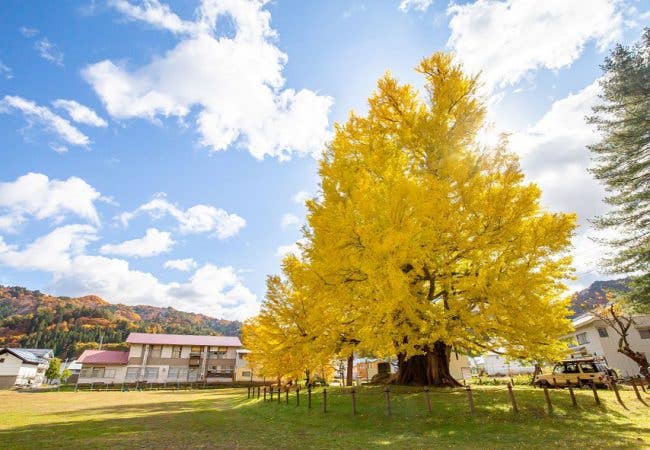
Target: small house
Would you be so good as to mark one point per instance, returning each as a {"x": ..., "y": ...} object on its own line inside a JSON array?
[{"x": 23, "y": 366}]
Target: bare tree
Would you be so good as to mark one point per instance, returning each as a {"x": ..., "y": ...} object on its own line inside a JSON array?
[{"x": 614, "y": 316}]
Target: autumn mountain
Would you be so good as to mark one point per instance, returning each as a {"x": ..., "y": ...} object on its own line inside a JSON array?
[{"x": 70, "y": 325}]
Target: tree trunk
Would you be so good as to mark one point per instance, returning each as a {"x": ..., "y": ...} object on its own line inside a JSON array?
[
  {"x": 350, "y": 372},
  {"x": 429, "y": 369},
  {"x": 640, "y": 359}
]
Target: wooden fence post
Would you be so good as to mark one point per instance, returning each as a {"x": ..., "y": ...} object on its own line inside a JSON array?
[
  {"x": 279, "y": 393},
  {"x": 298, "y": 395},
  {"x": 595, "y": 391},
  {"x": 574, "y": 402},
  {"x": 286, "y": 394},
  {"x": 264, "y": 393},
  {"x": 427, "y": 399},
  {"x": 324, "y": 400},
  {"x": 470, "y": 399},
  {"x": 614, "y": 387},
  {"x": 512, "y": 399},
  {"x": 548, "y": 400},
  {"x": 354, "y": 402},
  {"x": 387, "y": 391},
  {"x": 249, "y": 392},
  {"x": 636, "y": 391},
  {"x": 309, "y": 397},
  {"x": 642, "y": 383},
  {"x": 258, "y": 392}
]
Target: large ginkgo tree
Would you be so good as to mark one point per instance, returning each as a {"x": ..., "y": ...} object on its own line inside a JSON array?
[{"x": 423, "y": 241}]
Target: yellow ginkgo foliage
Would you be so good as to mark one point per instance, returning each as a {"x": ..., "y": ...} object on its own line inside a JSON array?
[{"x": 423, "y": 241}]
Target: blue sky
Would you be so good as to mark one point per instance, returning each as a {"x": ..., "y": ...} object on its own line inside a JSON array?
[{"x": 159, "y": 153}]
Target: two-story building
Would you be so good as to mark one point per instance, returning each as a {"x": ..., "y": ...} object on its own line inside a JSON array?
[
  {"x": 169, "y": 358},
  {"x": 163, "y": 358},
  {"x": 594, "y": 337}
]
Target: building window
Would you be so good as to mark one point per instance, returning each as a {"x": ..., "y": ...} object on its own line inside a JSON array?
[
  {"x": 602, "y": 332},
  {"x": 151, "y": 373},
  {"x": 193, "y": 375},
  {"x": 195, "y": 349},
  {"x": 644, "y": 333},
  {"x": 132, "y": 373},
  {"x": 176, "y": 351},
  {"x": 156, "y": 351},
  {"x": 218, "y": 352},
  {"x": 2, "y": 360},
  {"x": 246, "y": 374},
  {"x": 177, "y": 374},
  {"x": 582, "y": 338}
]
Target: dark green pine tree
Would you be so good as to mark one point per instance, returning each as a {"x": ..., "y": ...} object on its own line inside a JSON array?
[{"x": 622, "y": 162}]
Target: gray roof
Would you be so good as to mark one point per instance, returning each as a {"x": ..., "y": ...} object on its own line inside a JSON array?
[{"x": 30, "y": 355}]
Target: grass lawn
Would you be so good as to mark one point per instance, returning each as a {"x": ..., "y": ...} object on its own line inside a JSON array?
[{"x": 226, "y": 418}]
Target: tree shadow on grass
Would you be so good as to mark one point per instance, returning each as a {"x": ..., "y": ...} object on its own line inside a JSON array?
[{"x": 237, "y": 422}]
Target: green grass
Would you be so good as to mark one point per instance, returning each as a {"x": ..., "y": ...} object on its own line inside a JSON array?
[{"x": 226, "y": 418}]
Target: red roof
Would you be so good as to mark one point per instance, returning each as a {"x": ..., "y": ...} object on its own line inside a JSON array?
[
  {"x": 183, "y": 339},
  {"x": 103, "y": 357}
]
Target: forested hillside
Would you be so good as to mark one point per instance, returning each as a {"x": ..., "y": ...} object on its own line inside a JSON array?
[
  {"x": 70, "y": 325},
  {"x": 595, "y": 295}
]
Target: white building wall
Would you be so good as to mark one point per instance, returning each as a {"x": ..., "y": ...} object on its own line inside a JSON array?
[
  {"x": 11, "y": 365},
  {"x": 135, "y": 350},
  {"x": 608, "y": 346},
  {"x": 166, "y": 351},
  {"x": 118, "y": 378},
  {"x": 498, "y": 365}
]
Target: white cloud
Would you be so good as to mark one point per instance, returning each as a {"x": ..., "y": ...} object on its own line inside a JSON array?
[
  {"x": 184, "y": 265},
  {"x": 301, "y": 197},
  {"x": 554, "y": 154},
  {"x": 51, "y": 253},
  {"x": 49, "y": 51},
  {"x": 234, "y": 83},
  {"x": 417, "y": 5},
  {"x": 294, "y": 249},
  {"x": 212, "y": 290},
  {"x": 289, "y": 220},
  {"x": 43, "y": 116},
  {"x": 80, "y": 113},
  {"x": 6, "y": 71},
  {"x": 197, "y": 219},
  {"x": 28, "y": 32},
  {"x": 355, "y": 8},
  {"x": 154, "y": 13},
  {"x": 35, "y": 195},
  {"x": 153, "y": 243},
  {"x": 525, "y": 35}
]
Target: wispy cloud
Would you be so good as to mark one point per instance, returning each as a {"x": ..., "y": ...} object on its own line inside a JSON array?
[
  {"x": 28, "y": 32},
  {"x": 42, "y": 115},
  {"x": 6, "y": 71},
  {"x": 414, "y": 5},
  {"x": 80, "y": 113},
  {"x": 49, "y": 51}
]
